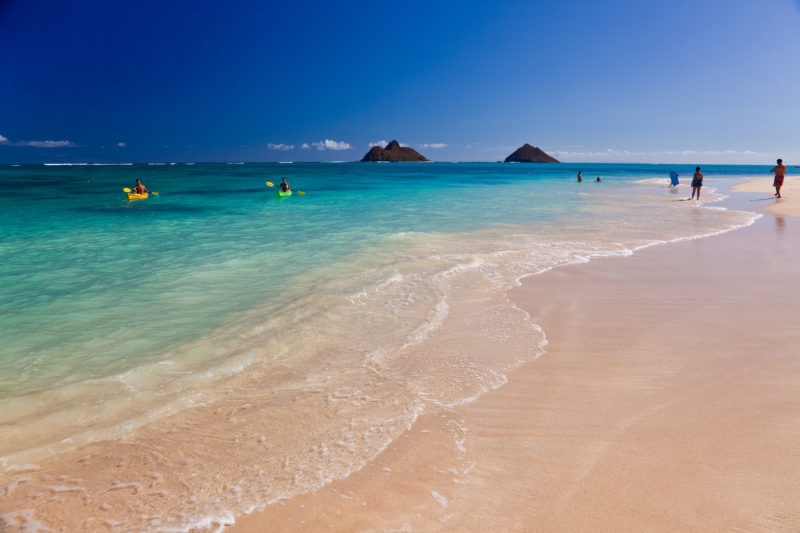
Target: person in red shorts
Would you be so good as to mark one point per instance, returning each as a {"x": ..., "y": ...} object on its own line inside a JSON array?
[{"x": 780, "y": 172}]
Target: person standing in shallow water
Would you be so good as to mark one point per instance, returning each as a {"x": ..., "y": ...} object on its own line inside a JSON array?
[
  {"x": 780, "y": 172},
  {"x": 697, "y": 182},
  {"x": 580, "y": 179}
]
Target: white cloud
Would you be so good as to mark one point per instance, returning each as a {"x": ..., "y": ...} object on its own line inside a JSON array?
[
  {"x": 329, "y": 144},
  {"x": 607, "y": 154},
  {"x": 380, "y": 143},
  {"x": 305, "y": 146},
  {"x": 616, "y": 155},
  {"x": 122, "y": 144},
  {"x": 47, "y": 144},
  {"x": 282, "y": 147},
  {"x": 625, "y": 153},
  {"x": 433, "y": 145},
  {"x": 38, "y": 144}
]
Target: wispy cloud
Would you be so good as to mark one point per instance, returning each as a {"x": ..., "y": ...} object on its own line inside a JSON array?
[
  {"x": 47, "y": 144},
  {"x": 382, "y": 143},
  {"x": 305, "y": 146},
  {"x": 603, "y": 154},
  {"x": 122, "y": 144},
  {"x": 329, "y": 144},
  {"x": 433, "y": 145},
  {"x": 282, "y": 147},
  {"x": 38, "y": 144},
  {"x": 664, "y": 156},
  {"x": 611, "y": 152}
]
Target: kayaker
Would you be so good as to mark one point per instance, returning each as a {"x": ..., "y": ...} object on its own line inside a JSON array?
[
  {"x": 284, "y": 185},
  {"x": 139, "y": 189}
]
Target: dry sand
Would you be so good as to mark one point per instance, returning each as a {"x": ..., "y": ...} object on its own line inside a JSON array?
[
  {"x": 787, "y": 205},
  {"x": 668, "y": 399}
]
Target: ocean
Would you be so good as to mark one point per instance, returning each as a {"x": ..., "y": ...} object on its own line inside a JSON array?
[{"x": 303, "y": 333}]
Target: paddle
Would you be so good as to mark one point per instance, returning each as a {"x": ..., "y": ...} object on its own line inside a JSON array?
[
  {"x": 270, "y": 184},
  {"x": 128, "y": 190}
]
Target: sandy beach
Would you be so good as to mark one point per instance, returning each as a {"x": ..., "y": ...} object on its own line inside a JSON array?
[
  {"x": 787, "y": 206},
  {"x": 399, "y": 270},
  {"x": 666, "y": 400}
]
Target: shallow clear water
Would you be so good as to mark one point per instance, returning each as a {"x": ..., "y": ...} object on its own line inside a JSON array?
[
  {"x": 116, "y": 314},
  {"x": 93, "y": 284}
]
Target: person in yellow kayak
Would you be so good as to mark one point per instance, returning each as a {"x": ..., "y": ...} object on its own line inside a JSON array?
[
  {"x": 139, "y": 188},
  {"x": 284, "y": 186}
]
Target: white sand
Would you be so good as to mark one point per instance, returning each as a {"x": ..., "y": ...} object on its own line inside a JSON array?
[
  {"x": 668, "y": 400},
  {"x": 789, "y": 203}
]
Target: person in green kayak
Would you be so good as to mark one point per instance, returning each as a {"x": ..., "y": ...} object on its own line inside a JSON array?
[
  {"x": 139, "y": 188},
  {"x": 284, "y": 185}
]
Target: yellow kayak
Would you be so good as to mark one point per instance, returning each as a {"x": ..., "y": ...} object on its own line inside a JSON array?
[{"x": 133, "y": 196}]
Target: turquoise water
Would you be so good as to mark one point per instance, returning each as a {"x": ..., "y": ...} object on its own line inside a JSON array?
[
  {"x": 308, "y": 332},
  {"x": 91, "y": 284}
]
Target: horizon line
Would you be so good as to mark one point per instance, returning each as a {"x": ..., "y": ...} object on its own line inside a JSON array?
[{"x": 172, "y": 163}]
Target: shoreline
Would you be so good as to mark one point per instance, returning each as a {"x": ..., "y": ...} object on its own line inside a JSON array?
[
  {"x": 443, "y": 432},
  {"x": 659, "y": 422},
  {"x": 787, "y": 205}
]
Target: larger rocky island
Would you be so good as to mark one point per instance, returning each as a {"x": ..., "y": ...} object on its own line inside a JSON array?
[
  {"x": 393, "y": 152},
  {"x": 530, "y": 154}
]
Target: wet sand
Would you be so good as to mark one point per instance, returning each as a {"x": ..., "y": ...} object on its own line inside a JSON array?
[
  {"x": 668, "y": 399},
  {"x": 787, "y": 205}
]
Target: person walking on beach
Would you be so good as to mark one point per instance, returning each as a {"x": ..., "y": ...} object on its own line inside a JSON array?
[
  {"x": 580, "y": 179},
  {"x": 139, "y": 188},
  {"x": 284, "y": 185},
  {"x": 697, "y": 183},
  {"x": 780, "y": 172}
]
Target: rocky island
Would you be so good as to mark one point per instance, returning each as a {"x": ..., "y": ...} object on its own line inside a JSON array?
[
  {"x": 530, "y": 154},
  {"x": 393, "y": 152}
]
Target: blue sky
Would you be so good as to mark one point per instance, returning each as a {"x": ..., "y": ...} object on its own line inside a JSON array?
[{"x": 706, "y": 81}]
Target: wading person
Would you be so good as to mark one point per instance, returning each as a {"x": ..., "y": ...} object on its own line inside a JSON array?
[{"x": 697, "y": 182}]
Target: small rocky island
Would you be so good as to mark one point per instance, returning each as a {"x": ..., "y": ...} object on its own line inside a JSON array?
[
  {"x": 530, "y": 154},
  {"x": 393, "y": 152}
]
